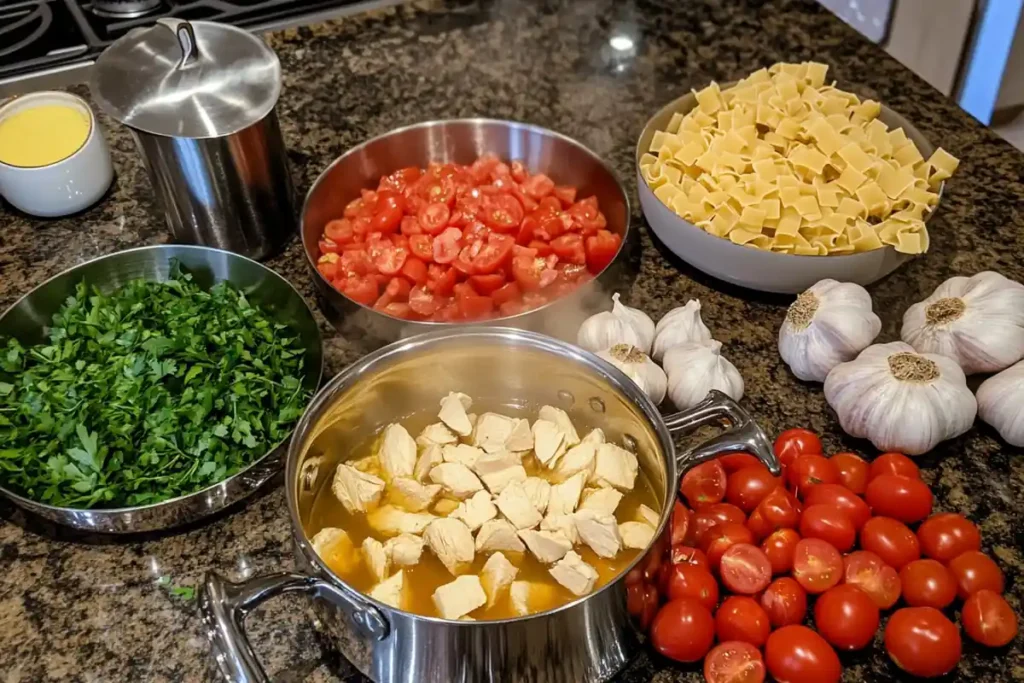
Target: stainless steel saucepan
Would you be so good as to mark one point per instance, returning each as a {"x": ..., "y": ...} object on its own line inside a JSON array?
[{"x": 516, "y": 371}]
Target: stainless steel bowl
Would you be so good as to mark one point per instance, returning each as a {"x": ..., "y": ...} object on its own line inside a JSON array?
[
  {"x": 462, "y": 141},
  {"x": 29, "y": 319}
]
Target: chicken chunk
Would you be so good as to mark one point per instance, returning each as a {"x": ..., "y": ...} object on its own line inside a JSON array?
[
  {"x": 646, "y": 514},
  {"x": 460, "y": 597},
  {"x": 370, "y": 464},
  {"x": 496, "y": 482},
  {"x": 539, "y": 490},
  {"x": 566, "y": 496},
  {"x": 453, "y": 413},
  {"x": 600, "y": 532},
  {"x": 451, "y": 541},
  {"x": 457, "y": 479},
  {"x": 496, "y": 576},
  {"x": 461, "y": 453},
  {"x": 560, "y": 418},
  {"x": 515, "y": 505},
  {"x": 446, "y": 506},
  {"x": 491, "y": 431},
  {"x": 547, "y": 442},
  {"x": 392, "y": 521},
  {"x": 436, "y": 435},
  {"x": 431, "y": 456},
  {"x": 390, "y": 591},
  {"x": 530, "y": 597},
  {"x": 410, "y": 494},
  {"x": 636, "y": 534},
  {"x": 357, "y": 491},
  {"x": 575, "y": 574},
  {"x": 489, "y": 463},
  {"x": 615, "y": 467},
  {"x": 595, "y": 436},
  {"x": 376, "y": 558},
  {"x": 579, "y": 458},
  {"x": 498, "y": 535},
  {"x": 521, "y": 438},
  {"x": 337, "y": 550},
  {"x": 476, "y": 510},
  {"x": 397, "y": 452},
  {"x": 603, "y": 501},
  {"x": 563, "y": 524},
  {"x": 404, "y": 550},
  {"x": 546, "y": 546}
]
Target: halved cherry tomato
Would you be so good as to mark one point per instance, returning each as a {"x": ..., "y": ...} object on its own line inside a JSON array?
[
  {"x": 502, "y": 212},
  {"x": 415, "y": 270},
  {"x": 853, "y": 471},
  {"x": 493, "y": 254},
  {"x": 386, "y": 220},
  {"x": 926, "y": 583},
  {"x": 538, "y": 186},
  {"x": 447, "y": 245},
  {"x": 422, "y": 247},
  {"x": 683, "y": 630},
  {"x": 796, "y": 654},
  {"x": 329, "y": 246},
  {"x": 601, "y": 248},
  {"x": 528, "y": 272},
  {"x": 868, "y": 572},
  {"x": 391, "y": 259},
  {"x": 846, "y": 617},
  {"x": 780, "y": 547},
  {"x": 946, "y": 535},
  {"x": 487, "y": 284},
  {"x": 685, "y": 554},
  {"x": 975, "y": 571},
  {"x": 742, "y": 618},
  {"x": 749, "y": 486},
  {"x": 893, "y": 463},
  {"x": 422, "y": 301},
  {"x": 844, "y": 499},
  {"x": 988, "y": 619},
  {"x": 361, "y": 289},
  {"x": 785, "y": 602},
  {"x": 566, "y": 195},
  {"x": 410, "y": 226},
  {"x": 444, "y": 283},
  {"x": 431, "y": 188},
  {"x": 704, "y": 484},
  {"x": 507, "y": 292},
  {"x": 829, "y": 523},
  {"x": 745, "y": 569},
  {"x": 734, "y": 662},
  {"x": 475, "y": 307},
  {"x": 339, "y": 231},
  {"x": 907, "y": 499},
  {"x": 794, "y": 442},
  {"x": 922, "y": 641},
  {"x": 569, "y": 248},
  {"x": 433, "y": 218},
  {"x": 721, "y": 537},
  {"x": 817, "y": 565},
  {"x": 891, "y": 540}
]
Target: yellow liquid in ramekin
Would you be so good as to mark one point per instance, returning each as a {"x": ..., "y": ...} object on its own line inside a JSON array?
[{"x": 42, "y": 135}]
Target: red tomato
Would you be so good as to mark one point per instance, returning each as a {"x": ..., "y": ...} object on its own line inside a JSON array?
[
  {"x": 566, "y": 195},
  {"x": 796, "y": 654},
  {"x": 361, "y": 289},
  {"x": 339, "y": 231},
  {"x": 806, "y": 471},
  {"x": 386, "y": 220},
  {"x": 689, "y": 581},
  {"x": 891, "y": 540},
  {"x": 734, "y": 662},
  {"x": 493, "y": 254},
  {"x": 817, "y": 565},
  {"x": 430, "y": 188},
  {"x": 904, "y": 498},
  {"x": 829, "y": 523},
  {"x": 734, "y": 462},
  {"x": 946, "y": 535},
  {"x": 684, "y": 554},
  {"x": 569, "y": 248},
  {"x": 642, "y": 603},
  {"x": 988, "y": 619},
  {"x": 329, "y": 246},
  {"x": 447, "y": 245},
  {"x": 532, "y": 272},
  {"x": 844, "y": 499},
  {"x": 893, "y": 463},
  {"x": 601, "y": 249},
  {"x": 538, "y": 186},
  {"x": 475, "y": 307},
  {"x": 778, "y": 510},
  {"x": 487, "y": 284},
  {"x": 853, "y": 471},
  {"x": 502, "y": 212},
  {"x": 433, "y": 218},
  {"x": 443, "y": 284},
  {"x": 422, "y": 247},
  {"x": 704, "y": 484},
  {"x": 922, "y": 641},
  {"x": 716, "y": 513},
  {"x": 926, "y": 583},
  {"x": 422, "y": 301},
  {"x": 327, "y": 265},
  {"x": 680, "y": 523},
  {"x": 721, "y": 537},
  {"x": 794, "y": 442},
  {"x": 391, "y": 259},
  {"x": 975, "y": 571},
  {"x": 507, "y": 292},
  {"x": 749, "y": 486},
  {"x": 785, "y": 602},
  {"x": 745, "y": 569},
  {"x": 742, "y": 618},
  {"x": 868, "y": 572},
  {"x": 415, "y": 270},
  {"x": 683, "y": 630},
  {"x": 846, "y": 617},
  {"x": 780, "y": 547}
]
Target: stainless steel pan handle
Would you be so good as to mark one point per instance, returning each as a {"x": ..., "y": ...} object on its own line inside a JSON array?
[
  {"x": 224, "y": 606},
  {"x": 742, "y": 433}
]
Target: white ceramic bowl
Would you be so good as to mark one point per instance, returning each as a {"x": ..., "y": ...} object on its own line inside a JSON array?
[
  {"x": 764, "y": 271},
  {"x": 65, "y": 186}
]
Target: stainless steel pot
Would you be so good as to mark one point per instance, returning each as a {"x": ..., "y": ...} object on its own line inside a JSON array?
[{"x": 502, "y": 368}]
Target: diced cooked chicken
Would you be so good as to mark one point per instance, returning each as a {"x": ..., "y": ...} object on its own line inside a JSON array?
[
  {"x": 404, "y": 550},
  {"x": 376, "y": 558},
  {"x": 546, "y": 546},
  {"x": 538, "y": 490},
  {"x": 453, "y": 413},
  {"x": 390, "y": 591},
  {"x": 566, "y": 496},
  {"x": 515, "y": 505},
  {"x": 491, "y": 431},
  {"x": 560, "y": 418},
  {"x": 392, "y": 521},
  {"x": 603, "y": 500},
  {"x": 563, "y": 524},
  {"x": 547, "y": 442},
  {"x": 498, "y": 535},
  {"x": 579, "y": 458},
  {"x": 446, "y": 506},
  {"x": 496, "y": 482},
  {"x": 357, "y": 491},
  {"x": 575, "y": 574},
  {"x": 461, "y": 453},
  {"x": 412, "y": 495},
  {"x": 600, "y": 532},
  {"x": 451, "y": 541},
  {"x": 431, "y": 456},
  {"x": 636, "y": 534},
  {"x": 456, "y": 479},
  {"x": 496, "y": 576},
  {"x": 530, "y": 597},
  {"x": 615, "y": 467},
  {"x": 594, "y": 436},
  {"x": 646, "y": 514},
  {"x": 370, "y": 464},
  {"x": 460, "y": 597},
  {"x": 337, "y": 550},
  {"x": 397, "y": 452},
  {"x": 521, "y": 438},
  {"x": 436, "y": 435},
  {"x": 489, "y": 463},
  {"x": 476, "y": 510}
]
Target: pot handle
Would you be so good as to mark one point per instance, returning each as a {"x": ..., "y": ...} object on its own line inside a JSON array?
[
  {"x": 225, "y": 605},
  {"x": 742, "y": 435}
]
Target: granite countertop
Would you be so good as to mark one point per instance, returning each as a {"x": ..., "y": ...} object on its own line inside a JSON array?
[{"x": 95, "y": 609}]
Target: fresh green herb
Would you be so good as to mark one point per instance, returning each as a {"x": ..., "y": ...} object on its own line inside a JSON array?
[
  {"x": 154, "y": 391},
  {"x": 183, "y": 592}
]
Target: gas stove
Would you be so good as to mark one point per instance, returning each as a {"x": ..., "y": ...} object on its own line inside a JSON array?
[{"x": 50, "y": 43}]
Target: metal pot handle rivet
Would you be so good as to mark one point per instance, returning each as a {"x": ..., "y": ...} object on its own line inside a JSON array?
[{"x": 186, "y": 39}]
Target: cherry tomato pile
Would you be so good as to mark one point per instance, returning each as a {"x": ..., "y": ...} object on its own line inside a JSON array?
[
  {"x": 452, "y": 242},
  {"x": 749, "y": 555}
]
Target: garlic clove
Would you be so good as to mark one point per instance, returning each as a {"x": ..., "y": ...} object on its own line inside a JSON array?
[
  {"x": 695, "y": 369},
  {"x": 621, "y": 325},
  {"x": 635, "y": 364},
  {"x": 640, "y": 321},
  {"x": 682, "y": 325},
  {"x": 1001, "y": 403}
]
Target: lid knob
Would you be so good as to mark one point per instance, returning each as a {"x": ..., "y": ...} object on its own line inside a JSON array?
[{"x": 186, "y": 39}]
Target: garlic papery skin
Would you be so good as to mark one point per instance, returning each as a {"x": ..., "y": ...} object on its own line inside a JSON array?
[
  {"x": 827, "y": 325},
  {"x": 695, "y": 369},
  {"x": 901, "y": 400},
  {"x": 621, "y": 325},
  {"x": 638, "y": 367},
  {"x": 682, "y": 325},
  {"x": 977, "y": 321},
  {"x": 1001, "y": 403}
]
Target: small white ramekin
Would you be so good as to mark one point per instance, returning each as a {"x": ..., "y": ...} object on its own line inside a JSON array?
[{"x": 66, "y": 186}]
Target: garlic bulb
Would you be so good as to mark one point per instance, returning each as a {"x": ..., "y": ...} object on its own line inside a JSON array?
[
  {"x": 695, "y": 369},
  {"x": 621, "y": 325},
  {"x": 679, "y": 326},
  {"x": 901, "y": 400},
  {"x": 638, "y": 367},
  {"x": 827, "y": 325},
  {"x": 1001, "y": 403},
  {"x": 976, "y": 321}
]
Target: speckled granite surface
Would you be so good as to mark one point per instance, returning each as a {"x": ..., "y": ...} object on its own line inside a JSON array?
[{"x": 81, "y": 609}]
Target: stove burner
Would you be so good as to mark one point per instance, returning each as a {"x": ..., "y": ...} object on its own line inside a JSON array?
[
  {"x": 123, "y": 9},
  {"x": 26, "y": 24}
]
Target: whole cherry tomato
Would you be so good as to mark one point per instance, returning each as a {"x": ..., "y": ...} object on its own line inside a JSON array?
[
  {"x": 927, "y": 583},
  {"x": 904, "y": 498},
  {"x": 680, "y": 523},
  {"x": 829, "y": 523},
  {"x": 946, "y": 535},
  {"x": 846, "y": 617},
  {"x": 794, "y": 442},
  {"x": 704, "y": 484},
  {"x": 975, "y": 571},
  {"x": 853, "y": 471},
  {"x": 891, "y": 540},
  {"x": 745, "y": 569},
  {"x": 642, "y": 603},
  {"x": 988, "y": 619},
  {"x": 780, "y": 547},
  {"x": 868, "y": 572},
  {"x": 683, "y": 630},
  {"x": 688, "y": 581},
  {"x": 817, "y": 565},
  {"x": 843, "y": 498},
  {"x": 749, "y": 486},
  {"x": 893, "y": 463},
  {"x": 808, "y": 471},
  {"x": 734, "y": 462},
  {"x": 742, "y": 618},
  {"x": 796, "y": 654},
  {"x": 721, "y": 537},
  {"x": 734, "y": 662},
  {"x": 922, "y": 641},
  {"x": 785, "y": 602}
]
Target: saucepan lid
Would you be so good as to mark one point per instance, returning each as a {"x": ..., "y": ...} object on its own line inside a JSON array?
[{"x": 196, "y": 79}]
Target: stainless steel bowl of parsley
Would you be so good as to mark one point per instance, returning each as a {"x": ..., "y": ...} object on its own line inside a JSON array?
[{"x": 152, "y": 387}]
